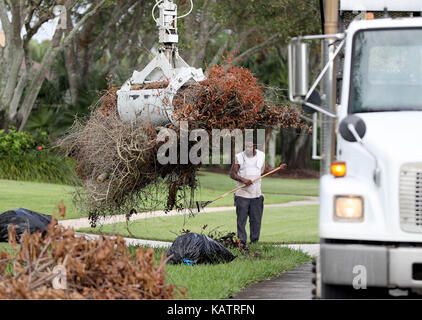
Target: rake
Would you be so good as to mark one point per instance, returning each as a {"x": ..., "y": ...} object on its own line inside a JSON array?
[{"x": 202, "y": 204}]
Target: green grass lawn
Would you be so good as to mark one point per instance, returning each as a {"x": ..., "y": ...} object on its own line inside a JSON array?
[
  {"x": 35, "y": 196},
  {"x": 210, "y": 193},
  {"x": 298, "y": 224},
  {"x": 276, "y": 190},
  {"x": 45, "y": 197},
  {"x": 217, "y": 182}
]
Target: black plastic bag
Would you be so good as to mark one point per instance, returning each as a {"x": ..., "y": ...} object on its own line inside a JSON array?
[
  {"x": 23, "y": 220},
  {"x": 195, "y": 248}
]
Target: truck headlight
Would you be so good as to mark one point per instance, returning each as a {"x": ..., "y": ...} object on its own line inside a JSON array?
[{"x": 348, "y": 208}]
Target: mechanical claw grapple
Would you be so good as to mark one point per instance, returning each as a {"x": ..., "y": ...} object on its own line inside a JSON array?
[{"x": 137, "y": 99}]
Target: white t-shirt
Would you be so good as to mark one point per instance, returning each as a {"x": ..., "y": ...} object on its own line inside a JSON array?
[{"x": 250, "y": 168}]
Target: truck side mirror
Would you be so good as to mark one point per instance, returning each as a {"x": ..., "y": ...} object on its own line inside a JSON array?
[
  {"x": 298, "y": 69},
  {"x": 358, "y": 125},
  {"x": 315, "y": 99}
]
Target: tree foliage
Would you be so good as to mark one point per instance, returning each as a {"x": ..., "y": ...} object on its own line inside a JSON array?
[
  {"x": 22, "y": 81},
  {"x": 122, "y": 36}
]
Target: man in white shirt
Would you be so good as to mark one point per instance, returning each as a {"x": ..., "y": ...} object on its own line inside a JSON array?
[{"x": 249, "y": 201}]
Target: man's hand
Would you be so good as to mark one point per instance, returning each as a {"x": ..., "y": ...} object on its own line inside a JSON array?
[
  {"x": 283, "y": 166},
  {"x": 247, "y": 182},
  {"x": 234, "y": 174}
]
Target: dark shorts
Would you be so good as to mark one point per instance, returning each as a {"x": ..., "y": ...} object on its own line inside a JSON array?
[{"x": 252, "y": 208}]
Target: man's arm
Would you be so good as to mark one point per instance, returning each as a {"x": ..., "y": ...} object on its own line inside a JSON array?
[{"x": 235, "y": 176}]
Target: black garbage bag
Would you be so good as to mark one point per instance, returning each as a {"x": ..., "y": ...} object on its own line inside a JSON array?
[
  {"x": 23, "y": 219},
  {"x": 195, "y": 248}
]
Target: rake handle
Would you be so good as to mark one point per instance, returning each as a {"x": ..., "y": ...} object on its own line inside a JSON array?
[{"x": 244, "y": 185}]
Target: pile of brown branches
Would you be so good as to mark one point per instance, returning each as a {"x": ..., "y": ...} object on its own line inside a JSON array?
[
  {"x": 118, "y": 166},
  {"x": 117, "y": 161},
  {"x": 92, "y": 269},
  {"x": 231, "y": 98}
]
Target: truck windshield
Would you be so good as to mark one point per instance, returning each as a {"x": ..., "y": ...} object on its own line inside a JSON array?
[{"x": 386, "y": 71}]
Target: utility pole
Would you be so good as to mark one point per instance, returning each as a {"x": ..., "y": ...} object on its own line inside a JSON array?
[{"x": 329, "y": 87}]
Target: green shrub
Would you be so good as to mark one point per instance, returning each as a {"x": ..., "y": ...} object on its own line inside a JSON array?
[
  {"x": 13, "y": 143},
  {"x": 25, "y": 156},
  {"x": 38, "y": 166}
]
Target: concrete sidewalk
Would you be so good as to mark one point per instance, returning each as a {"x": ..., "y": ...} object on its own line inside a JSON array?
[
  {"x": 291, "y": 285},
  {"x": 129, "y": 241},
  {"x": 295, "y": 284},
  {"x": 311, "y": 250}
]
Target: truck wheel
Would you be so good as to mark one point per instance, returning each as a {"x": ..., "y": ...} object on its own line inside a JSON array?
[{"x": 329, "y": 291}]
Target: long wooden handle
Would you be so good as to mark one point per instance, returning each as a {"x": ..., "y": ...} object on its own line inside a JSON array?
[{"x": 244, "y": 185}]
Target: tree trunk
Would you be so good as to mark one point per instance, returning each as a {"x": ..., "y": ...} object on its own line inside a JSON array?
[
  {"x": 272, "y": 135},
  {"x": 296, "y": 148},
  {"x": 71, "y": 64},
  {"x": 37, "y": 81},
  {"x": 55, "y": 47}
]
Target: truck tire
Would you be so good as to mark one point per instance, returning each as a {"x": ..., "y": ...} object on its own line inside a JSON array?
[{"x": 329, "y": 291}]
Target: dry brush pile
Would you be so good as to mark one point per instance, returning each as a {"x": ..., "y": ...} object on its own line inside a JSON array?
[
  {"x": 117, "y": 161},
  {"x": 94, "y": 269}
]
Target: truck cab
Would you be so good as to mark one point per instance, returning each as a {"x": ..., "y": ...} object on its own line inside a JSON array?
[{"x": 370, "y": 220}]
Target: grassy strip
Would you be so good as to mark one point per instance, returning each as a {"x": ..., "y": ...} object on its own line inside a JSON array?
[
  {"x": 221, "y": 281},
  {"x": 298, "y": 224},
  {"x": 204, "y": 193},
  {"x": 276, "y": 190},
  {"x": 270, "y": 185}
]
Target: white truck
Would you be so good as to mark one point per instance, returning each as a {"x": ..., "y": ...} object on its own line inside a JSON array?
[{"x": 370, "y": 120}]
